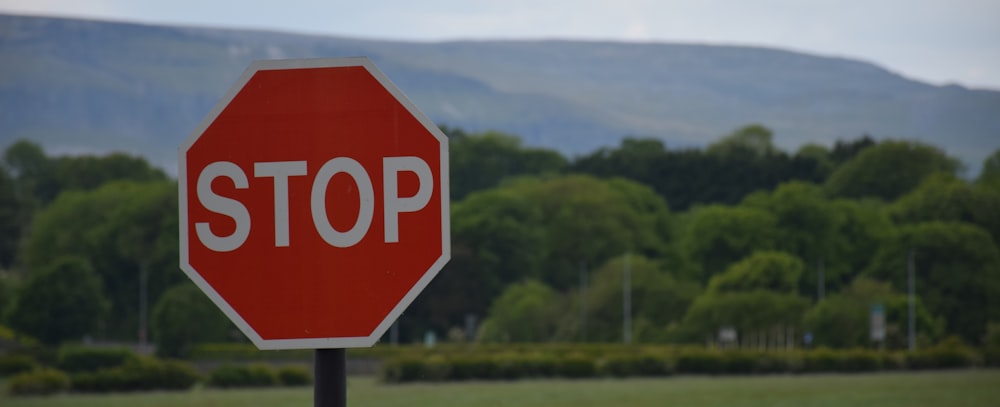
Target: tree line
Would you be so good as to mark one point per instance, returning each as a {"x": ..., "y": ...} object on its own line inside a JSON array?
[{"x": 739, "y": 234}]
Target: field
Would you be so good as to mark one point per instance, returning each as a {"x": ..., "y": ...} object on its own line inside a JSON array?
[{"x": 951, "y": 389}]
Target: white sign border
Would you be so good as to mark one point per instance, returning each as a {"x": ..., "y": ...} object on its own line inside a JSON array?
[{"x": 314, "y": 343}]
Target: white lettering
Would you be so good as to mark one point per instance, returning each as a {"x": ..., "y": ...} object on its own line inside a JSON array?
[
  {"x": 394, "y": 204},
  {"x": 318, "y": 202},
  {"x": 280, "y": 171},
  {"x": 222, "y": 205}
]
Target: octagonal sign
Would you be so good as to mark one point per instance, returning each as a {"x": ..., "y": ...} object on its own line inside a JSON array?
[{"x": 314, "y": 203}]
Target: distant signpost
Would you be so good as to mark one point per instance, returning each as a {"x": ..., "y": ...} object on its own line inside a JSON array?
[
  {"x": 877, "y": 323},
  {"x": 314, "y": 205}
]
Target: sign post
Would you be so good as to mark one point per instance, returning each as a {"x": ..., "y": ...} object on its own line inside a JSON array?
[{"x": 314, "y": 207}]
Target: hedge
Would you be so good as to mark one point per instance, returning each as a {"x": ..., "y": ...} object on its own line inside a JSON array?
[
  {"x": 140, "y": 374},
  {"x": 233, "y": 376},
  {"x": 627, "y": 362},
  {"x": 14, "y": 364},
  {"x": 294, "y": 376},
  {"x": 74, "y": 359},
  {"x": 41, "y": 382}
]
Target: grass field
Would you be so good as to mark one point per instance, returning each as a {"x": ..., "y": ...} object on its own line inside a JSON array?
[{"x": 946, "y": 389}]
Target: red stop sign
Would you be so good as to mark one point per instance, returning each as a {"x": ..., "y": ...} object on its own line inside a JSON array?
[{"x": 314, "y": 203}]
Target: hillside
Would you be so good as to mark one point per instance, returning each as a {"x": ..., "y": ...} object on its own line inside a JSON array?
[{"x": 78, "y": 85}]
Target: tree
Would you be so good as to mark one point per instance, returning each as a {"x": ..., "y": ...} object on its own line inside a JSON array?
[
  {"x": 120, "y": 228},
  {"x": 754, "y": 140},
  {"x": 481, "y": 161},
  {"x": 718, "y": 236},
  {"x": 587, "y": 221},
  {"x": 658, "y": 300},
  {"x": 842, "y": 320},
  {"x": 957, "y": 268},
  {"x": 889, "y": 170},
  {"x": 806, "y": 221},
  {"x": 763, "y": 270},
  {"x": 184, "y": 317},
  {"x": 88, "y": 172},
  {"x": 10, "y": 220},
  {"x": 504, "y": 228},
  {"x": 760, "y": 315},
  {"x": 60, "y": 302},
  {"x": 738, "y": 164},
  {"x": 943, "y": 197},
  {"x": 990, "y": 174},
  {"x": 523, "y": 313},
  {"x": 861, "y": 230}
]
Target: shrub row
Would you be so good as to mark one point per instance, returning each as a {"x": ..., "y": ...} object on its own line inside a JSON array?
[
  {"x": 14, "y": 364},
  {"x": 259, "y": 375},
  {"x": 76, "y": 359},
  {"x": 469, "y": 366},
  {"x": 144, "y": 374},
  {"x": 40, "y": 382},
  {"x": 140, "y": 374}
]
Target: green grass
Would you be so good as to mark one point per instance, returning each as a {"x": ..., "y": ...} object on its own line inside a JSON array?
[{"x": 951, "y": 389}]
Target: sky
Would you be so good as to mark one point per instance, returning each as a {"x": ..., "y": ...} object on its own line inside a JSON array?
[{"x": 936, "y": 41}]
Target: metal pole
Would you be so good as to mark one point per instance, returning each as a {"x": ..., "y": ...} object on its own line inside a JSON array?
[
  {"x": 143, "y": 304},
  {"x": 820, "y": 281},
  {"x": 627, "y": 302},
  {"x": 330, "y": 381},
  {"x": 583, "y": 301},
  {"x": 912, "y": 314}
]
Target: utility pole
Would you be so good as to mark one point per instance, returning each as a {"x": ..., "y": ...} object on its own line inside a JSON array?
[
  {"x": 583, "y": 301},
  {"x": 143, "y": 303},
  {"x": 627, "y": 302},
  {"x": 820, "y": 281},
  {"x": 912, "y": 314}
]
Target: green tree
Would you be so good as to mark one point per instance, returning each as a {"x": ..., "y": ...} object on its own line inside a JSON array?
[
  {"x": 861, "y": 230},
  {"x": 88, "y": 172},
  {"x": 10, "y": 219},
  {"x": 754, "y": 139},
  {"x": 34, "y": 171},
  {"x": 957, "y": 268},
  {"x": 588, "y": 221},
  {"x": 481, "y": 161},
  {"x": 60, "y": 302},
  {"x": 763, "y": 270},
  {"x": 806, "y": 222},
  {"x": 120, "y": 228},
  {"x": 889, "y": 170},
  {"x": 717, "y": 236},
  {"x": 842, "y": 320},
  {"x": 184, "y": 317},
  {"x": 755, "y": 314},
  {"x": 990, "y": 174},
  {"x": 505, "y": 229},
  {"x": 943, "y": 197},
  {"x": 658, "y": 300},
  {"x": 525, "y": 312}
]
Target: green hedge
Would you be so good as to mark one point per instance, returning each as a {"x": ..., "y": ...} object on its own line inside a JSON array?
[
  {"x": 39, "y": 382},
  {"x": 14, "y": 364},
  {"x": 140, "y": 374},
  {"x": 233, "y": 376},
  {"x": 74, "y": 359},
  {"x": 294, "y": 376},
  {"x": 651, "y": 361}
]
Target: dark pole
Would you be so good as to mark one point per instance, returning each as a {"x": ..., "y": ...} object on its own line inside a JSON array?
[
  {"x": 330, "y": 381},
  {"x": 911, "y": 330}
]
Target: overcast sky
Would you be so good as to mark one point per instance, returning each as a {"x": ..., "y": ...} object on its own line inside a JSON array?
[{"x": 938, "y": 41}]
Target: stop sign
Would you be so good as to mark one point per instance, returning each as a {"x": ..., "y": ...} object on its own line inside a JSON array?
[{"x": 314, "y": 203}]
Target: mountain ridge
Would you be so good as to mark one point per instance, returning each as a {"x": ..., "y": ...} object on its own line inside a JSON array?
[{"x": 85, "y": 85}]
